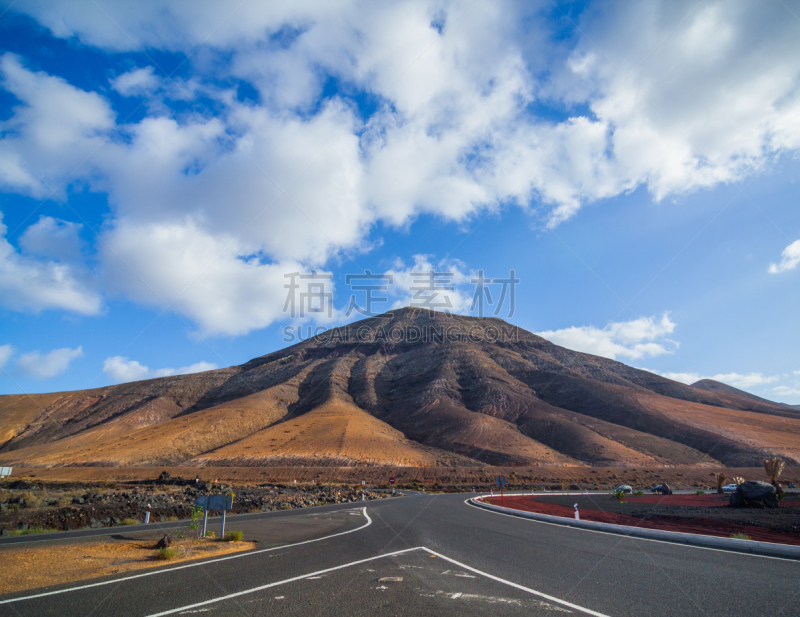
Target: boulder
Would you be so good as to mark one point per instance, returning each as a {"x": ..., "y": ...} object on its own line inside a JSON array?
[
  {"x": 754, "y": 494},
  {"x": 165, "y": 475}
]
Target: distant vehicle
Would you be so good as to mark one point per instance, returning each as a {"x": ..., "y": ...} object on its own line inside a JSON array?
[
  {"x": 661, "y": 488},
  {"x": 624, "y": 488},
  {"x": 729, "y": 488}
]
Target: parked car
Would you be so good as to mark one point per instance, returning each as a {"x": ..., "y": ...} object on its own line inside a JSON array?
[
  {"x": 624, "y": 488},
  {"x": 729, "y": 488}
]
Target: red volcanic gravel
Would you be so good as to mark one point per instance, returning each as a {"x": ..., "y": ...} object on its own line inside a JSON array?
[
  {"x": 703, "y": 526},
  {"x": 703, "y": 501}
]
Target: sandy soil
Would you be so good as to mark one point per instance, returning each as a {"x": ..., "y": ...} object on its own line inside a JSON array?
[
  {"x": 705, "y": 516},
  {"x": 42, "y": 565}
]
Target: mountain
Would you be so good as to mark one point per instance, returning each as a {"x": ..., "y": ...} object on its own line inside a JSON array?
[
  {"x": 724, "y": 391},
  {"x": 406, "y": 388}
]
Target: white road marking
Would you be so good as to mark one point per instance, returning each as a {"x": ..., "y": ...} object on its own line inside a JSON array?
[
  {"x": 619, "y": 535},
  {"x": 367, "y": 560},
  {"x": 189, "y": 565},
  {"x": 283, "y": 582},
  {"x": 518, "y": 586}
]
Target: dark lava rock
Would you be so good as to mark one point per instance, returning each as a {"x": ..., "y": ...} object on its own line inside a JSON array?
[
  {"x": 164, "y": 542},
  {"x": 165, "y": 475},
  {"x": 754, "y": 494}
]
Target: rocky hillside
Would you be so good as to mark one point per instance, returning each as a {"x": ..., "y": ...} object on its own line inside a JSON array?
[{"x": 408, "y": 388}]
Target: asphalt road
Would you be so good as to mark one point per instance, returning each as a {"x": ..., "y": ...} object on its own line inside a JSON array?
[{"x": 429, "y": 555}]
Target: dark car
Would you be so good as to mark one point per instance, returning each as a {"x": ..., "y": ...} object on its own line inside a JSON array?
[
  {"x": 662, "y": 489},
  {"x": 624, "y": 488}
]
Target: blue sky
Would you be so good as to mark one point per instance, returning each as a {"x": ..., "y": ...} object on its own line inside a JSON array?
[{"x": 162, "y": 168}]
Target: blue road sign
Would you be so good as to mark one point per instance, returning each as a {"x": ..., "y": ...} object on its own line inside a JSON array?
[
  {"x": 500, "y": 481},
  {"x": 214, "y": 502}
]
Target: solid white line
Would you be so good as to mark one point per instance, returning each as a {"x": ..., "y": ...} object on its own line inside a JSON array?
[
  {"x": 517, "y": 586},
  {"x": 191, "y": 565},
  {"x": 361, "y": 561},
  {"x": 619, "y": 535},
  {"x": 283, "y": 582}
]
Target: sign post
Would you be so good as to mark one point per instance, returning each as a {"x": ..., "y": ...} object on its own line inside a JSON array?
[
  {"x": 214, "y": 502},
  {"x": 501, "y": 482}
]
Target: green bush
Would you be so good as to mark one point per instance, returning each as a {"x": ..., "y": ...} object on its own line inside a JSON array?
[
  {"x": 163, "y": 554},
  {"x": 740, "y": 536},
  {"x": 29, "y": 530},
  {"x": 699, "y": 492},
  {"x": 638, "y": 493},
  {"x": 234, "y": 536},
  {"x": 129, "y": 521}
]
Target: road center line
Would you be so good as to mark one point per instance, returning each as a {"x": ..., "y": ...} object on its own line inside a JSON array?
[{"x": 190, "y": 565}]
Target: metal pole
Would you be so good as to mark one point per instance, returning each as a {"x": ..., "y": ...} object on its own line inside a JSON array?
[
  {"x": 205, "y": 521},
  {"x": 222, "y": 533}
]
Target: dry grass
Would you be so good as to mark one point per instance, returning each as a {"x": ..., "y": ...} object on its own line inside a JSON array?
[{"x": 54, "y": 564}]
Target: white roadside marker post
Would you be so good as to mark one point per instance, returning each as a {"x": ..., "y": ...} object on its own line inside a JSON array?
[
  {"x": 577, "y": 514},
  {"x": 205, "y": 521},
  {"x": 222, "y": 531},
  {"x": 147, "y": 515}
]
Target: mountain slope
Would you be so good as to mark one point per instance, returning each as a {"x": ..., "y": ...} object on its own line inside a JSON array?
[{"x": 403, "y": 388}]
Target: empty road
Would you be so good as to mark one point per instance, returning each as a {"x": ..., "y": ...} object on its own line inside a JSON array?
[{"x": 427, "y": 555}]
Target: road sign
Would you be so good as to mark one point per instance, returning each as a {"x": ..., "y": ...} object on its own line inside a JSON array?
[
  {"x": 363, "y": 482},
  {"x": 391, "y": 480},
  {"x": 214, "y": 502},
  {"x": 5, "y": 472},
  {"x": 501, "y": 482}
]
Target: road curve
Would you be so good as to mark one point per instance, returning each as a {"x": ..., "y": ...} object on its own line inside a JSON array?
[{"x": 431, "y": 554}]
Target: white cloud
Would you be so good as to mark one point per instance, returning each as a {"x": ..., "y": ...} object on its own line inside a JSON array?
[
  {"x": 53, "y": 238},
  {"x": 31, "y": 284},
  {"x": 687, "y": 378},
  {"x": 139, "y": 82},
  {"x": 56, "y": 127},
  {"x": 790, "y": 257},
  {"x": 408, "y": 290},
  {"x": 44, "y": 366},
  {"x": 745, "y": 381},
  {"x": 786, "y": 391},
  {"x": 120, "y": 369},
  {"x": 737, "y": 380},
  {"x": 290, "y": 180},
  {"x": 6, "y": 351},
  {"x": 639, "y": 338}
]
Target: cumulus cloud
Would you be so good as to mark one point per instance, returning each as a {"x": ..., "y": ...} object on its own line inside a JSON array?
[
  {"x": 415, "y": 286},
  {"x": 786, "y": 390},
  {"x": 139, "y": 82},
  {"x": 120, "y": 369},
  {"x": 33, "y": 284},
  {"x": 790, "y": 257},
  {"x": 450, "y": 129},
  {"x": 737, "y": 380},
  {"x": 6, "y": 351},
  {"x": 639, "y": 338},
  {"x": 37, "y": 365}
]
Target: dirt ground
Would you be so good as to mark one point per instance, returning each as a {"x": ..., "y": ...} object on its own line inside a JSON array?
[
  {"x": 45, "y": 564},
  {"x": 702, "y": 514},
  {"x": 601, "y": 478}
]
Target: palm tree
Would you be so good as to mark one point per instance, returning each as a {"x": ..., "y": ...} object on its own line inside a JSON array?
[
  {"x": 720, "y": 478},
  {"x": 774, "y": 466},
  {"x": 737, "y": 480}
]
